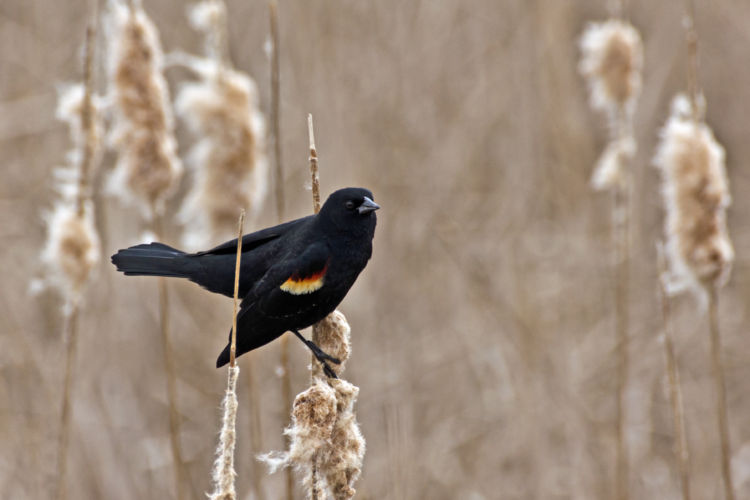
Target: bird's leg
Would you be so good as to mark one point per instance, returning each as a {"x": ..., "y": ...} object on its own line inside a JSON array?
[{"x": 319, "y": 354}]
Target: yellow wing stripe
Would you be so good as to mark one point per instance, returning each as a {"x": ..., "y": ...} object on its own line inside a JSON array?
[{"x": 301, "y": 285}]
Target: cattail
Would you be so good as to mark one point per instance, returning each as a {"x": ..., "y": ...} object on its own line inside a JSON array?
[
  {"x": 327, "y": 446},
  {"x": 332, "y": 335},
  {"x": 341, "y": 465},
  {"x": 228, "y": 159},
  {"x": 72, "y": 248},
  {"x": 696, "y": 196},
  {"x": 611, "y": 63},
  {"x": 313, "y": 418},
  {"x": 223, "y": 472},
  {"x": 148, "y": 169}
]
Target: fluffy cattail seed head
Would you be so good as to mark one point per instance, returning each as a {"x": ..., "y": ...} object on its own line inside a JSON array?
[
  {"x": 313, "y": 418},
  {"x": 72, "y": 248},
  {"x": 332, "y": 335},
  {"x": 611, "y": 62},
  {"x": 148, "y": 169},
  {"x": 341, "y": 465},
  {"x": 229, "y": 158},
  {"x": 224, "y": 473},
  {"x": 696, "y": 196}
]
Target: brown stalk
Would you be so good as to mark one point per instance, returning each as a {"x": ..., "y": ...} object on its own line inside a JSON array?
[
  {"x": 233, "y": 345},
  {"x": 286, "y": 376},
  {"x": 621, "y": 236},
  {"x": 87, "y": 119},
  {"x": 70, "y": 321},
  {"x": 721, "y": 394},
  {"x": 171, "y": 376},
  {"x": 70, "y": 335},
  {"x": 691, "y": 37},
  {"x": 314, "y": 493},
  {"x": 313, "y": 165},
  {"x": 681, "y": 451}
]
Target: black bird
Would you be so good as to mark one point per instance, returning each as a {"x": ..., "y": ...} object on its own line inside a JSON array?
[{"x": 291, "y": 275}]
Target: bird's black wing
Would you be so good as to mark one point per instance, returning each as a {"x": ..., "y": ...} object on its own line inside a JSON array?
[
  {"x": 289, "y": 287},
  {"x": 256, "y": 239}
]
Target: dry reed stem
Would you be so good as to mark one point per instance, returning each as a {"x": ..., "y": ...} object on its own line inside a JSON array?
[
  {"x": 77, "y": 250},
  {"x": 87, "y": 120},
  {"x": 721, "y": 393},
  {"x": 681, "y": 451},
  {"x": 611, "y": 63},
  {"x": 286, "y": 375},
  {"x": 233, "y": 345},
  {"x": 275, "y": 104},
  {"x": 171, "y": 377},
  {"x": 691, "y": 39},
  {"x": 70, "y": 337},
  {"x": 313, "y": 165},
  {"x": 315, "y": 185},
  {"x": 223, "y": 472},
  {"x": 621, "y": 233}
]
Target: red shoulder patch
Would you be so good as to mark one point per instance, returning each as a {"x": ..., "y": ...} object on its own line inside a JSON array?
[{"x": 300, "y": 284}]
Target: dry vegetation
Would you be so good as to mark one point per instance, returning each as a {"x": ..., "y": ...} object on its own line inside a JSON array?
[{"x": 482, "y": 330}]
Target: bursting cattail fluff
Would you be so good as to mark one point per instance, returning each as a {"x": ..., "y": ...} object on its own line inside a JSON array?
[
  {"x": 148, "y": 169},
  {"x": 228, "y": 159},
  {"x": 324, "y": 434},
  {"x": 696, "y": 195},
  {"x": 223, "y": 472},
  {"x": 72, "y": 248},
  {"x": 611, "y": 63}
]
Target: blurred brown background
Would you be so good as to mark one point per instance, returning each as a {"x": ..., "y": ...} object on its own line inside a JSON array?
[{"x": 482, "y": 328}]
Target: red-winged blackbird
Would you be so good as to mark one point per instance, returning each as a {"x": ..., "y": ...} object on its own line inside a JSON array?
[{"x": 291, "y": 275}]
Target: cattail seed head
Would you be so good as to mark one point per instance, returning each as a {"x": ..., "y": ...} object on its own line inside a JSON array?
[
  {"x": 342, "y": 463},
  {"x": 610, "y": 168},
  {"x": 313, "y": 418},
  {"x": 696, "y": 195},
  {"x": 611, "y": 62},
  {"x": 148, "y": 169},
  {"x": 70, "y": 104},
  {"x": 224, "y": 473},
  {"x": 72, "y": 248},
  {"x": 228, "y": 159},
  {"x": 332, "y": 335}
]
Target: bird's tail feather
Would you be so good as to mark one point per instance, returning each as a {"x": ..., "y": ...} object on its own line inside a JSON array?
[{"x": 151, "y": 259}]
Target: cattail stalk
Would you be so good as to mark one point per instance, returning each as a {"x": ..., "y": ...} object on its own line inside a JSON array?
[
  {"x": 612, "y": 58},
  {"x": 80, "y": 242},
  {"x": 717, "y": 367},
  {"x": 171, "y": 375},
  {"x": 223, "y": 472},
  {"x": 70, "y": 337},
  {"x": 621, "y": 230},
  {"x": 681, "y": 451},
  {"x": 286, "y": 375},
  {"x": 313, "y": 159},
  {"x": 148, "y": 169}
]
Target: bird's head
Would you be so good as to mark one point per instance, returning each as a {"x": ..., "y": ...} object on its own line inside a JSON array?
[{"x": 351, "y": 210}]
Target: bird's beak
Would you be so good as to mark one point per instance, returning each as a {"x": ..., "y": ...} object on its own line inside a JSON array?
[{"x": 367, "y": 206}]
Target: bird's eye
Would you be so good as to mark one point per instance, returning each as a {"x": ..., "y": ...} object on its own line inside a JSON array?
[{"x": 349, "y": 205}]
